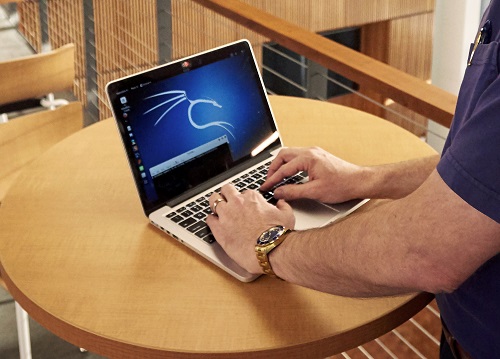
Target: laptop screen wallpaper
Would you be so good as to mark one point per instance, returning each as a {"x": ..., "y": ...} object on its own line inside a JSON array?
[{"x": 182, "y": 131}]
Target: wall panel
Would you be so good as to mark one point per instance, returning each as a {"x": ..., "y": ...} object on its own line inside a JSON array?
[
  {"x": 126, "y": 41},
  {"x": 65, "y": 25},
  {"x": 29, "y": 23}
]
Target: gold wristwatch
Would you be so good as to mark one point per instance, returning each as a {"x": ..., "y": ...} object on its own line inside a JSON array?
[{"x": 267, "y": 241}]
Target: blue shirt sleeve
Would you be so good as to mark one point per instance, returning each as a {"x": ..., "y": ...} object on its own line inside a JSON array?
[{"x": 470, "y": 165}]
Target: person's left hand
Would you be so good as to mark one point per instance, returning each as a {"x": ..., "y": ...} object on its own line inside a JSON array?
[{"x": 241, "y": 218}]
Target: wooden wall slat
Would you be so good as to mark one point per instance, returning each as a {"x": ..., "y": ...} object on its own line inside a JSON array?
[
  {"x": 29, "y": 24},
  {"x": 65, "y": 25}
]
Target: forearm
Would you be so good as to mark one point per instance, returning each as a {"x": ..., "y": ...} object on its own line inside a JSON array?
[
  {"x": 361, "y": 256},
  {"x": 430, "y": 240},
  {"x": 395, "y": 180}
]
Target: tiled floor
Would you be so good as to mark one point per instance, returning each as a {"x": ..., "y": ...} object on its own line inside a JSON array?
[
  {"x": 417, "y": 338},
  {"x": 12, "y": 44}
]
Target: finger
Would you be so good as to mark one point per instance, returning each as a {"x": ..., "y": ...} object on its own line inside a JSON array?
[
  {"x": 215, "y": 226},
  {"x": 228, "y": 191},
  {"x": 214, "y": 197},
  {"x": 214, "y": 201},
  {"x": 212, "y": 221},
  {"x": 285, "y": 155},
  {"x": 284, "y": 207},
  {"x": 295, "y": 191},
  {"x": 286, "y": 170}
]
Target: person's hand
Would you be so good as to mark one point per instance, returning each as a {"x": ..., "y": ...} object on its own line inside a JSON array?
[
  {"x": 240, "y": 219},
  {"x": 331, "y": 179}
]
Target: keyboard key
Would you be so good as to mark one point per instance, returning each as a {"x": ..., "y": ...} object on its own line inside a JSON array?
[
  {"x": 209, "y": 239},
  {"x": 240, "y": 185},
  {"x": 196, "y": 208},
  {"x": 203, "y": 232},
  {"x": 200, "y": 215},
  {"x": 187, "y": 222},
  {"x": 267, "y": 195},
  {"x": 197, "y": 226},
  {"x": 176, "y": 219}
]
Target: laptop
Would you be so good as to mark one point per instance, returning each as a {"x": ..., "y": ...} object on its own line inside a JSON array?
[{"x": 189, "y": 127}]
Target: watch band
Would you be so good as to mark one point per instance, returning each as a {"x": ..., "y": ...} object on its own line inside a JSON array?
[{"x": 262, "y": 251}]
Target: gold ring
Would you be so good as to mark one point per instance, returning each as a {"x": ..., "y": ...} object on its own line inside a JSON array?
[{"x": 214, "y": 208}]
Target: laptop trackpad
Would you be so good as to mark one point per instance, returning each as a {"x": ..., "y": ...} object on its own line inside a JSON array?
[{"x": 312, "y": 214}]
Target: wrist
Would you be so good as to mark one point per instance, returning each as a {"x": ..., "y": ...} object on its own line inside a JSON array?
[
  {"x": 366, "y": 182},
  {"x": 278, "y": 257},
  {"x": 267, "y": 243}
]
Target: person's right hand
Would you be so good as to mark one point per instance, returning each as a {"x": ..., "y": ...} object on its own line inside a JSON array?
[{"x": 331, "y": 179}]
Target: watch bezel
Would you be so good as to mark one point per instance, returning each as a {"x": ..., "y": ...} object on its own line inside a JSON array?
[{"x": 270, "y": 235}]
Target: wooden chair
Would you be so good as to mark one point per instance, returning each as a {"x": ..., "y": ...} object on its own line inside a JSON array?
[
  {"x": 24, "y": 138},
  {"x": 36, "y": 76}
]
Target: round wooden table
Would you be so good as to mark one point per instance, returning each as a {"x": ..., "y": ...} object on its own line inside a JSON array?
[{"x": 81, "y": 258}]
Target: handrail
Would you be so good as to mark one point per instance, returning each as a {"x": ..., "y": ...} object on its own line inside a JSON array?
[{"x": 405, "y": 89}]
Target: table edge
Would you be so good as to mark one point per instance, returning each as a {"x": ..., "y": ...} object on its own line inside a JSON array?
[{"x": 320, "y": 348}]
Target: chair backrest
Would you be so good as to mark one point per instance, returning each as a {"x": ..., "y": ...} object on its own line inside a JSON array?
[
  {"x": 37, "y": 75},
  {"x": 26, "y": 137}
]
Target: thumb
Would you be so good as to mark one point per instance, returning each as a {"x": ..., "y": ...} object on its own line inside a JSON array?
[
  {"x": 287, "y": 210},
  {"x": 284, "y": 206}
]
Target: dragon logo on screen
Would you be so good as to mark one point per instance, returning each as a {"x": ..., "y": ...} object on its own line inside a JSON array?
[{"x": 177, "y": 97}]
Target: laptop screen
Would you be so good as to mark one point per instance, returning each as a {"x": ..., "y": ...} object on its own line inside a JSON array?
[{"x": 188, "y": 122}]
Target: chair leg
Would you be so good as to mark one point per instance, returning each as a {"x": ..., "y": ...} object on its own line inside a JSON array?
[
  {"x": 23, "y": 333},
  {"x": 50, "y": 102}
]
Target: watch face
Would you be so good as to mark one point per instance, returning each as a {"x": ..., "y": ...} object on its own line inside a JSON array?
[{"x": 270, "y": 235}]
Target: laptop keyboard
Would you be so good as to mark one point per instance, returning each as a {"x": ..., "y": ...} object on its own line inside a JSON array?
[{"x": 193, "y": 215}]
